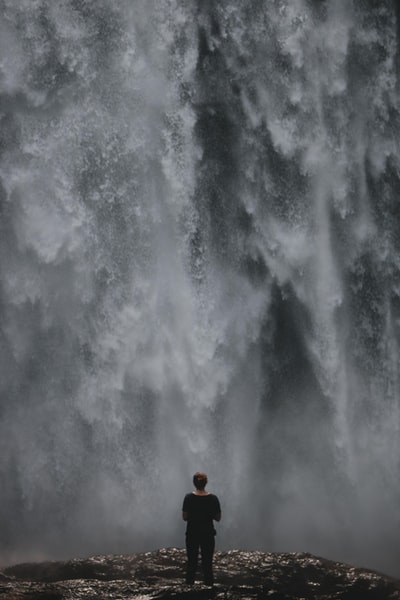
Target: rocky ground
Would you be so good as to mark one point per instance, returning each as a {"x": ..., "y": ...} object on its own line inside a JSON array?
[{"x": 159, "y": 575}]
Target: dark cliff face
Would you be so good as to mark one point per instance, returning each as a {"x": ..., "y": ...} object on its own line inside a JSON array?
[{"x": 159, "y": 574}]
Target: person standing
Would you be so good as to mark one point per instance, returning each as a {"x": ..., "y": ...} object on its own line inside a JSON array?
[{"x": 199, "y": 510}]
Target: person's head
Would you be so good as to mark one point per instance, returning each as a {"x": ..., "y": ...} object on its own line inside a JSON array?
[{"x": 200, "y": 480}]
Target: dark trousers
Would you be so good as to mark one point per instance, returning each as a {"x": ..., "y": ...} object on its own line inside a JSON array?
[{"x": 206, "y": 544}]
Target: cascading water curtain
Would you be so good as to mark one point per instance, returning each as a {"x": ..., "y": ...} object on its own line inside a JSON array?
[{"x": 199, "y": 254}]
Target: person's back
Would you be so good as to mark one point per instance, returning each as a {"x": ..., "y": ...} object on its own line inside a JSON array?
[{"x": 199, "y": 510}]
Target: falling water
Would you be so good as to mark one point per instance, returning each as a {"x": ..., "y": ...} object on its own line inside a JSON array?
[{"x": 200, "y": 270}]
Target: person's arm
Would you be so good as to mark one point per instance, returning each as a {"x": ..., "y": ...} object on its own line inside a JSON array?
[
  {"x": 217, "y": 509},
  {"x": 185, "y": 507}
]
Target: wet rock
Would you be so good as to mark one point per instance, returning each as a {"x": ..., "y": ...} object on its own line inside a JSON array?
[{"x": 159, "y": 575}]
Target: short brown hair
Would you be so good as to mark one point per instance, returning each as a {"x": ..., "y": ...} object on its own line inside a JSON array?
[{"x": 200, "y": 480}]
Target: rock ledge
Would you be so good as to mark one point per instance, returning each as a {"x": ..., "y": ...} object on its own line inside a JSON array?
[{"x": 159, "y": 575}]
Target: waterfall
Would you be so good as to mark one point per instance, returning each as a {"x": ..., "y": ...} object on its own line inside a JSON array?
[{"x": 199, "y": 257}]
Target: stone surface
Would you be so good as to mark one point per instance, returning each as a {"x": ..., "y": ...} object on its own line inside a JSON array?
[{"x": 159, "y": 575}]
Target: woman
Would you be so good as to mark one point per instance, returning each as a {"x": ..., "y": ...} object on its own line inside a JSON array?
[{"x": 200, "y": 509}]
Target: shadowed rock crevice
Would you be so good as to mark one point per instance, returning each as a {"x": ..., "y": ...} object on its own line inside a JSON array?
[{"x": 159, "y": 574}]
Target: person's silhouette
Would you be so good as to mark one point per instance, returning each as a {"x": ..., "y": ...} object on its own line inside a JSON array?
[{"x": 200, "y": 509}]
